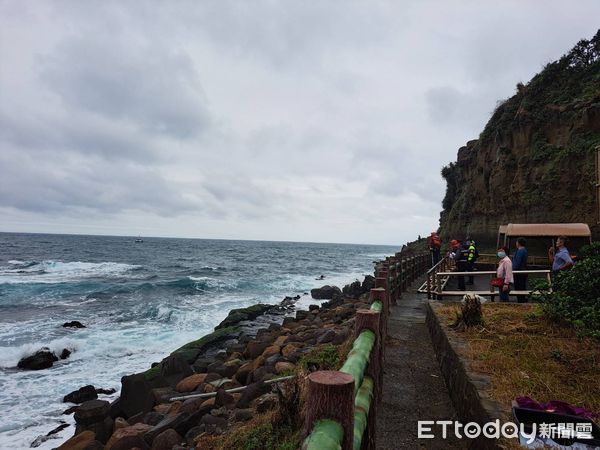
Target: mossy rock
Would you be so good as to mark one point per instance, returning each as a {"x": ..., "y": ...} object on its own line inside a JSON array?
[
  {"x": 236, "y": 316},
  {"x": 191, "y": 350},
  {"x": 152, "y": 373}
]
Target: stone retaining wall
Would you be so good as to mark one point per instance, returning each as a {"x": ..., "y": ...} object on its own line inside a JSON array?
[{"x": 467, "y": 389}]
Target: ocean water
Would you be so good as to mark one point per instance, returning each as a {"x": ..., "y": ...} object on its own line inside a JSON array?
[{"x": 139, "y": 301}]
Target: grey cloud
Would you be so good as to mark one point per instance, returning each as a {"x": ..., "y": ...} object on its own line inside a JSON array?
[
  {"x": 77, "y": 133},
  {"x": 442, "y": 103},
  {"x": 56, "y": 185},
  {"x": 287, "y": 119},
  {"x": 149, "y": 86}
]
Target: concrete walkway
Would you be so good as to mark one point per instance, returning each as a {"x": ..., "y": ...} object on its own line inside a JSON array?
[{"x": 413, "y": 387}]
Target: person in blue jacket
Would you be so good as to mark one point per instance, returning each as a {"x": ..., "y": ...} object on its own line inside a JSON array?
[{"x": 520, "y": 263}]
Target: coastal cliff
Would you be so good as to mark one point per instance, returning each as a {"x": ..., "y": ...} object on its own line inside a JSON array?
[{"x": 535, "y": 159}]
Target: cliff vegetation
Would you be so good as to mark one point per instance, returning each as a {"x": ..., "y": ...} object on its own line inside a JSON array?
[{"x": 535, "y": 159}]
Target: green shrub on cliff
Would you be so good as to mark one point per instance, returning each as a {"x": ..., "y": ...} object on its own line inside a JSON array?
[
  {"x": 575, "y": 297},
  {"x": 573, "y": 78}
]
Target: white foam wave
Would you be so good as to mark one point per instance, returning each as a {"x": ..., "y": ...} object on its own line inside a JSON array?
[
  {"x": 10, "y": 356},
  {"x": 203, "y": 283},
  {"x": 61, "y": 272}
]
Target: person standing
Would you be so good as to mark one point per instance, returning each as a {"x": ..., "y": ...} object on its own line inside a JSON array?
[
  {"x": 520, "y": 263},
  {"x": 505, "y": 272},
  {"x": 462, "y": 264},
  {"x": 560, "y": 259},
  {"x": 435, "y": 245},
  {"x": 471, "y": 257}
]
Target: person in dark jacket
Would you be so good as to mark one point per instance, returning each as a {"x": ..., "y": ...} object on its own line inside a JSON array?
[
  {"x": 520, "y": 263},
  {"x": 472, "y": 255},
  {"x": 462, "y": 263}
]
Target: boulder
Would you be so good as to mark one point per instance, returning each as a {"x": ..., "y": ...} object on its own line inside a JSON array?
[
  {"x": 175, "y": 368},
  {"x": 79, "y": 441},
  {"x": 353, "y": 290},
  {"x": 73, "y": 324},
  {"x": 102, "y": 429},
  {"x": 271, "y": 350},
  {"x": 153, "y": 418},
  {"x": 261, "y": 374},
  {"x": 192, "y": 434},
  {"x": 65, "y": 353},
  {"x": 255, "y": 348},
  {"x": 165, "y": 424},
  {"x": 190, "y": 383},
  {"x": 103, "y": 391},
  {"x": 136, "y": 395},
  {"x": 289, "y": 349},
  {"x": 368, "y": 283},
  {"x": 242, "y": 373},
  {"x": 243, "y": 415},
  {"x": 164, "y": 394},
  {"x": 91, "y": 411},
  {"x": 236, "y": 316},
  {"x": 201, "y": 364},
  {"x": 301, "y": 315},
  {"x": 282, "y": 367},
  {"x": 280, "y": 340},
  {"x": 326, "y": 292},
  {"x": 326, "y": 337},
  {"x": 210, "y": 403},
  {"x": 83, "y": 394},
  {"x": 266, "y": 403},
  {"x": 253, "y": 391},
  {"x": 191, "y": 405},
  {"x": 223, "y": 398},
  {"x": 120, "y": 423},
  {"x": 166, "y": 440},
  {"x": 128, "y": 438},
  {"x": 42, "y": 359}
]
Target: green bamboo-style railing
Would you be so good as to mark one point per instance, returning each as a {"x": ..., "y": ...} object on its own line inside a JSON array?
[{"x": 341, "y": 406}]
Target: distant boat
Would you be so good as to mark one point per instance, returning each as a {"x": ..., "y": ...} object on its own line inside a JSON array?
[{"x": 138, "y": 240}]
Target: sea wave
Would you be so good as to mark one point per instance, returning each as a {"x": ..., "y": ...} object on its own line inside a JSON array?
[
  {"x": 50, "y": 271},
  {"x": 10, "y": 356}
]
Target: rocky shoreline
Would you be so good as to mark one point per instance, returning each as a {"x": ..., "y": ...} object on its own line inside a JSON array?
[{"x": 211, "y": 386}]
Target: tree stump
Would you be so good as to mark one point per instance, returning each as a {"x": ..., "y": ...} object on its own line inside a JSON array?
[{"x": 470, "y": 313}]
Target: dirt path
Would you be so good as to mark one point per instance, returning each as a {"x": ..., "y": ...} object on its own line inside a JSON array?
[{"x": 413, "y": 387}]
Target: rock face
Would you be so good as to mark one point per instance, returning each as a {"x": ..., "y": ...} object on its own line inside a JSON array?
[
  {"x": 535, "y": 160},
  {"x": 326, "y": 292}
]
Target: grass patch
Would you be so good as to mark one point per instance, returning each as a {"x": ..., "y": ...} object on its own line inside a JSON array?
[
  {"x": 325, "y": 357},
  {"x": 261, "y": 433},
  {"x": 526, "y": 354}
]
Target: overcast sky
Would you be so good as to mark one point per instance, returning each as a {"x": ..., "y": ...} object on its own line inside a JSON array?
[{"x": 319, "y": 121}]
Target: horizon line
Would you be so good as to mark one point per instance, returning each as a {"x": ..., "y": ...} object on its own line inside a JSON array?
[{"x": 196, "y": 238}]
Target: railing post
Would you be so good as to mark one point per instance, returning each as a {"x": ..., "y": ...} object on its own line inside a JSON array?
[
  {"x": 438, "y": 282},
  {"x": 330, "y": 395},
  {"x": 428, "y": 285},
  {"x": 370, "y": 320},
  {"x": 379, "y": 294}
]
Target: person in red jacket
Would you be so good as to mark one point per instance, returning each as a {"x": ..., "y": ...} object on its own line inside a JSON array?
[{"x": 435, "y": 244}]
